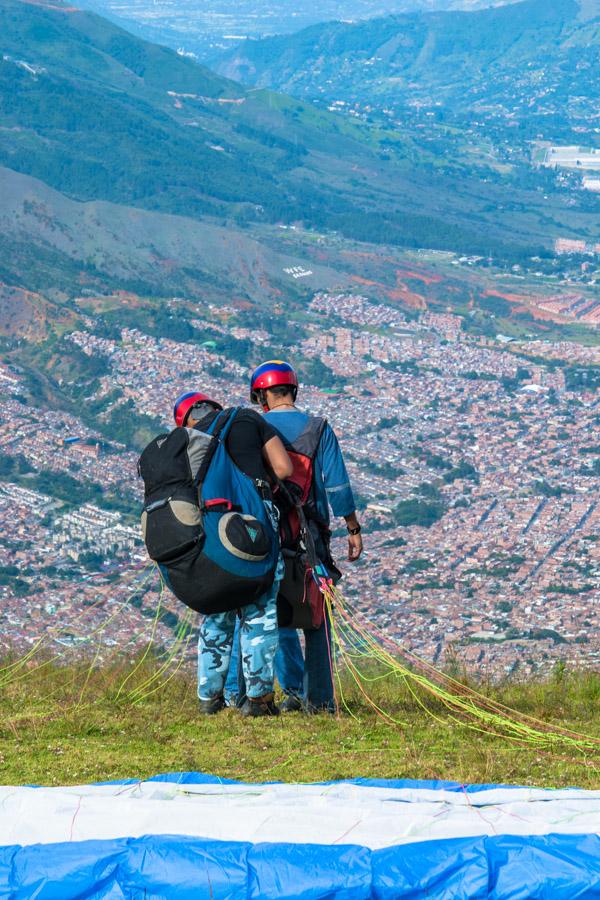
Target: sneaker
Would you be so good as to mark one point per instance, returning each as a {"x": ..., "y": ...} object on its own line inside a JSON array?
[
  {"x": 259, "y": 706},
  {"x": 292, "y": 703},
  {"x": 212, "y": 706}
]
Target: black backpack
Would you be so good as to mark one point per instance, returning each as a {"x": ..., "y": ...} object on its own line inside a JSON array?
[
  {"x": 204, "y": 522},
  {"x": 172, "y": 467}
]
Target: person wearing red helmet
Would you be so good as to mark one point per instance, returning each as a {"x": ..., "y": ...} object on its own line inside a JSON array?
[
  {"x": 256, "y": 449},
  {"x": 274, "y": 385},
  {"x": 186, "y": 402}
]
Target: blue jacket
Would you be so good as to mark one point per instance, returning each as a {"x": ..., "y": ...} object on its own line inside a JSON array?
[{"x": 332, "y": 483}]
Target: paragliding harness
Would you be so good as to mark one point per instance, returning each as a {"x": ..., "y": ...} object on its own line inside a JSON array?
[
  {"x": 305, "y": 538},
  {"x": 204, "y": 521}
]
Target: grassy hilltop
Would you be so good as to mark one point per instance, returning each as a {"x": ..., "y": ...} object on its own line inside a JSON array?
[{"x": 64, "y": 726}]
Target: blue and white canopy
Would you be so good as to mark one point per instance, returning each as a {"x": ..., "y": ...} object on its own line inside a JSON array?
[{"x": 189, "y": 835}]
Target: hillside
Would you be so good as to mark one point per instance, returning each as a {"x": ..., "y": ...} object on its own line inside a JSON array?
[
  {"x": 455, "y": 54},
  {"x": 65, "y": 727},
  {"x": 27, "y": 315},
  {"x": 49, "y": 239},
  {"x": 63, "y": 248},
  {"x": 99, "y": 114},
  {"x": 204, "y": 27}
]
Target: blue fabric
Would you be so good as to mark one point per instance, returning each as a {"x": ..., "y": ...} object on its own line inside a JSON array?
[
  {"x": 309, "y": 679},
  {"x": 399, "y": 783},
  {"x": 289, "y": 663},
  {"x": 318, "y": 675},
  {"x": 225, "y": 480},
  {"x": 231, "y": 682},
  {"x": 332, "y": 483},
  {"x": 552, "y": 867}
]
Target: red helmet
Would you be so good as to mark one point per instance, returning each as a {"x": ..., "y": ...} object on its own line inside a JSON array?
[
  {"x": 270, "y": 374},
  {"x": 184, "y": 403}
]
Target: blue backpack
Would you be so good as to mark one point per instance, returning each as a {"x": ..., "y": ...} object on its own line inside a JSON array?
[{"x": 204, "y": 521}]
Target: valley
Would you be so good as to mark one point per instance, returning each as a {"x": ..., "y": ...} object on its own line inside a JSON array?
[
  {"x": 203, "y": 29},
  {"x": 165, "y": 227}
]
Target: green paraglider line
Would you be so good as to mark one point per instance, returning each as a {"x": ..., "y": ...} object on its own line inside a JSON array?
[
  {"x": 20, "y": 663},
  {"x": 354, "y": 640},
  {"x": 350, "y": 633}
]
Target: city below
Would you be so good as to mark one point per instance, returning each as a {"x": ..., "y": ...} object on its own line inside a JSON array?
[{"x": 474, "y": 460}]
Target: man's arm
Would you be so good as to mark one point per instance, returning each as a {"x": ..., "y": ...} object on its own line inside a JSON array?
[
  {"x": 355, "y": 543},
  {"x": 338, "y": 489},
  {"x": 277, "y": 458}
]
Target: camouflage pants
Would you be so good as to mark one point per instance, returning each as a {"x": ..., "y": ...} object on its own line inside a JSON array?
[{"x": 259, "y": 639}]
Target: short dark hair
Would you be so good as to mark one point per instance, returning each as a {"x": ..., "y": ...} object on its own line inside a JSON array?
[{"x": 282, "y": 390}]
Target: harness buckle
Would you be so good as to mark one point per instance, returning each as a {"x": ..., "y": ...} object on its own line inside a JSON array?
[{"x": 218, "y": 503}]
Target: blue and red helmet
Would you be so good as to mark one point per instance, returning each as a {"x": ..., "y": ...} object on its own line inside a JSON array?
[
  {"x": 186, "y": 401},
  {"x": 273, "y": 373}
]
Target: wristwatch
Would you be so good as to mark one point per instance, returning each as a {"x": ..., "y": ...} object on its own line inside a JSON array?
[{"x": 354, "y": 531}]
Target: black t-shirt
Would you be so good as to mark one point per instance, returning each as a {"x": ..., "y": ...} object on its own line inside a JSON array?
[{"x": 247, "y": 436}]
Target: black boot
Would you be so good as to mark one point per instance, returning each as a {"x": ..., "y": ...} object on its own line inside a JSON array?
[
  {"x": 259, "y": 706},
  {"x": 292, "y": 703},
  {"x": 212, "y": 706}
]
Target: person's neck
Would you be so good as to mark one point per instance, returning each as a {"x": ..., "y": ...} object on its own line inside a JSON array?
[{"x": 283, "y": 406}]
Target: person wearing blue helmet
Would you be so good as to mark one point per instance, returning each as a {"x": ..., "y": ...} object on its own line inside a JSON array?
[{"x": 308, "y": 682}]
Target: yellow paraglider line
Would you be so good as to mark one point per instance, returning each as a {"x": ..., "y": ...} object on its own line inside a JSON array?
[
  {"x": 57, "y": 630},
  {"x": 173, "y": 673},
  {"x": 479, "y": 702},
  {"x": 479, "y": 712},
  {"x": 98, "y": 631},
  {"x": 184, "y": 635},
  {"x": 155, "y": 622},
  {"x": 13, "y": 678}
]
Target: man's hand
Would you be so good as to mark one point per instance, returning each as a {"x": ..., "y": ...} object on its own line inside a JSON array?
[{"x": 355, "y": 544}]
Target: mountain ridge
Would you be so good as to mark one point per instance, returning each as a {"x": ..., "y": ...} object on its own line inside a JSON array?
[
  {"x": 204, "y": 28},
  {"x": 409, "y": 42},
  {"x": 98, "y": 115},
  {"x": 110, "y": 117}
]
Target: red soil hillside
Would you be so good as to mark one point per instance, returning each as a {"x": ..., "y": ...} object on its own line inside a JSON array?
[{"x": 24, "y": 314}]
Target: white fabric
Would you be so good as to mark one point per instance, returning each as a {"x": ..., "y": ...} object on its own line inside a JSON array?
[{"x": 321, "y": 814}]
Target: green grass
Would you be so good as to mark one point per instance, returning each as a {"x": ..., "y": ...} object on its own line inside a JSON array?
[{"x": 64, "y": 726}]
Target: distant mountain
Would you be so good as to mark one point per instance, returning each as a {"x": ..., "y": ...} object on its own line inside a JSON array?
[
  {"x": 97, "y": 114},
  {"x": 445, "y": 56},
  {"x": 206, "y": 27}
]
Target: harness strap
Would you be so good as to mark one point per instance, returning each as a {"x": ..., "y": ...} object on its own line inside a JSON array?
[
  {"x": 222, "y": 422},
  {"x": 307, "y": 442},
  {"x": 218, "y": 428},
  {"x": 305, "y": 533}
]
